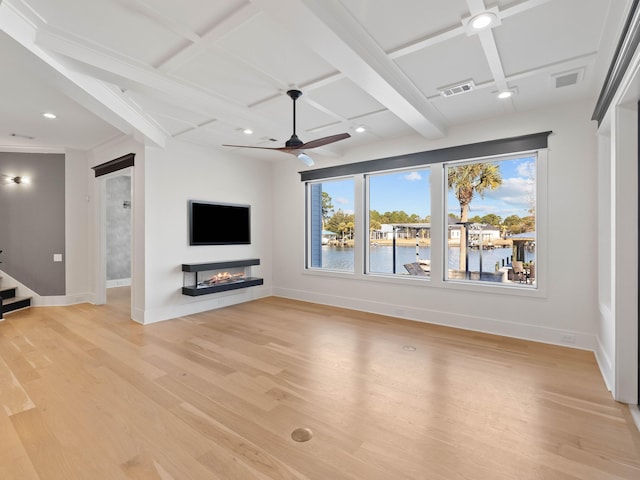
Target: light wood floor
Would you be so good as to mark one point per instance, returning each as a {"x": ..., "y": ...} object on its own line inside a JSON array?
[{"x": 88, "y": 394}]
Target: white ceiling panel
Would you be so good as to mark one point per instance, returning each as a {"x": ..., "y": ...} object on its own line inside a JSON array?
[
  {"x": 456, "y": 108},
  {"x": 346, "y": 99},
  {"x": 552, "y": 32},
  {"x": 534, "y": 92},
  {"x": 394, "y": 24},
  {"x": 215, "y": 71},
  {"x": 442, "y": 65},
  {"x": 384, "y": 125},
  {"x": 199, "y": 16},
  {"x": 269, "y": 48}
]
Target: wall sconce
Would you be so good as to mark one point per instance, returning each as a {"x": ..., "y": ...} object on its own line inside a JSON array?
[{"x": 7, "y": 179}]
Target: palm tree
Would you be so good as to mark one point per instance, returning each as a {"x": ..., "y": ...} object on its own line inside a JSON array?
[
  {"x": 327, "y": 208},
  {"x": 466, "y": 181}
]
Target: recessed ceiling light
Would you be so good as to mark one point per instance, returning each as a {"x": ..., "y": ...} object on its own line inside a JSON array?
[
  {"x": 482, "y": 21},
  {"x": 490, "y": 18},
  {"x": 505, "y": 94},
  {"x": 360, "y": 129},
  {"x": 247, "y": 131},
  {"x": 49, "y": 115}
]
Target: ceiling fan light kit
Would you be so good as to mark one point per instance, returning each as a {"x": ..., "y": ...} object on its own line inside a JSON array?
[{"x": 294, "y": 145}]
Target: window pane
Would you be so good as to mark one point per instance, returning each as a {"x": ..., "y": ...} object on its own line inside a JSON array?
[
  {"x": 331, "y": 223},
  {"x": 400, "y": 223},
  {"x": 491, "y": 234}
]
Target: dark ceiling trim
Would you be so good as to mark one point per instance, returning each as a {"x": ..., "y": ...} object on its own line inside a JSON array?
[
  {"x": 501, "y": 146},
  {"x": 629, "y": 40},
  {"x": 119, "y": 163}
]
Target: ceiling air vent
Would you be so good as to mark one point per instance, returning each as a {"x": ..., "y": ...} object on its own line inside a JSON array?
[
  {"x": 457, "y": 89},
  {"x": 566, "y": 79}
]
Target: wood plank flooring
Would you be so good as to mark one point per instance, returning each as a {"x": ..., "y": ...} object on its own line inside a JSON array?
[{"x": 85, "y": 393}]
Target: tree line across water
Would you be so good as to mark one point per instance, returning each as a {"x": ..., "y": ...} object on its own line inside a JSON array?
[{"x": 342, "y": 223}]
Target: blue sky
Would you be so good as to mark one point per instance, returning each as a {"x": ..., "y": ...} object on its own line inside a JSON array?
[{"x": 409, "y": 191}]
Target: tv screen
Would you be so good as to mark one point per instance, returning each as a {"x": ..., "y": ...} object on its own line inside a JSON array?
[{"x": 219, "y": 223}]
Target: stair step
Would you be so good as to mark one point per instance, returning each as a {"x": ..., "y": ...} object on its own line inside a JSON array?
[
  {"x": 13, "y": 304},
  {"x": 7, "y": 292}
]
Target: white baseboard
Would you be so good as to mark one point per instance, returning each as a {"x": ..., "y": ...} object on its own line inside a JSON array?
[
  {"x": 193, "y": 305},
  {"x": 635, "y": 414},
  {"x": 536, "y": 333},
  {"x": 604, "y": 363},
  {"x": 119, "y": 282},
  {"x": 61, "y": 300}
]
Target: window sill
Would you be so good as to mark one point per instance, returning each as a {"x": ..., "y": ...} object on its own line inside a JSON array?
[{"x": 429, "y": 282}]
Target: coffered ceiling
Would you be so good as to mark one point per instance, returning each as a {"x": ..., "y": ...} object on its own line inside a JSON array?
[{"x": 204, "y": 71}]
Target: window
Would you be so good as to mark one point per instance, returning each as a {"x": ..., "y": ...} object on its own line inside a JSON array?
[
  {"x": 462, "y": 217},
  {"x": 399, "y": 220},
  {"x": 331, "y": 225},
  {"x": 491, "y": 221}
]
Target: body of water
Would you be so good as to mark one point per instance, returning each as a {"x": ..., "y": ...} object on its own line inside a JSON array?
[{"x": 381, "y": 258}]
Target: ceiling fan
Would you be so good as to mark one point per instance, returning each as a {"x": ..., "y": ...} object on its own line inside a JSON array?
[{"x": 294, "y": 145}]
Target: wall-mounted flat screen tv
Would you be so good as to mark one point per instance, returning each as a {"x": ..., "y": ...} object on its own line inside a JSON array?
[{"x": 219, "y": 223}]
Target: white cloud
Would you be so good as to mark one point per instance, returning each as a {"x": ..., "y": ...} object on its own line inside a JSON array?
[
  {"x": 342, "y": 201},
  {"x": 413, "y": 176},
  {"x": 517, "y": 192},
  {"x": 527, "y": 170}
]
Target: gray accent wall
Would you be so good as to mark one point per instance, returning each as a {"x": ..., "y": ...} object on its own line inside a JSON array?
[
  {"x": 32, "y": 221},
  {"x": 118, "y": 228}
]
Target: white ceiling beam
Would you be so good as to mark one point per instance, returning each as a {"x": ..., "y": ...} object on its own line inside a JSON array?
[
  {"x": 329, "y": 30},
  {"x": 170, "y": 23},
  {"x": 109, "y": 65},
  {"x": 427, "y": 42},
  {"x": 459, "y": 30},
  {"x": 493, "y": 59},
  {"x": 490, "y": 50},
  {"x": 223, "y": 28},
  {"x": 521, "y": 7},
  {"x": 97, "y": 97}
]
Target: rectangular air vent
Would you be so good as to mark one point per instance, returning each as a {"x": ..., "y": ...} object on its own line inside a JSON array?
[
  {"x": 457, "y": 89},
  {"x": 566, "y": 79}
]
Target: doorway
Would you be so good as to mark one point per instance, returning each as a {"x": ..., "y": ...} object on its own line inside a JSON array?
[
  {"x": 118, "y": 240},
  {"x": 114, "y": 237}
]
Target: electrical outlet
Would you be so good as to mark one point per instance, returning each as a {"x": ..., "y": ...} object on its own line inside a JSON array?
[
  {"x": 568, "y": 338},
  {"x": 57, "y": 257}
]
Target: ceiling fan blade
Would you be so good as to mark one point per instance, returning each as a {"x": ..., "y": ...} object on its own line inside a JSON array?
[
  {"x": 325, "y": 140},
  {"x": 261, "y": 148},
  {"x": 294, "y": 145}
]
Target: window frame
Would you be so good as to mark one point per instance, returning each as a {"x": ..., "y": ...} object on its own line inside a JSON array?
[
  {"x": 366, "y": 220},
  {"x": 436, "y": 160},
  {"x": 308, "y": 227}
]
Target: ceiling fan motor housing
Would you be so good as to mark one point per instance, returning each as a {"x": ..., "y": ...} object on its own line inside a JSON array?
[
  {"x": 293, "y": 142},
  {"x": 294, "y": 94}
]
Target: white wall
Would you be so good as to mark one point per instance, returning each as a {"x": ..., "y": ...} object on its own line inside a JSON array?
[
  {"x": 624, "y": 248},
  {"x": 76, "y": 227},
  {"x": 181, "y": 172},
  {"x": 605, "y": 351},
  {"x": 570, "y": 303}
]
